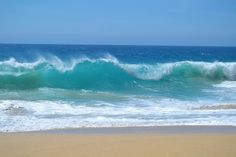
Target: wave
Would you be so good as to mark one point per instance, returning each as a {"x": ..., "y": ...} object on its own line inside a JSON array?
[{"x": 105, "y": 73}]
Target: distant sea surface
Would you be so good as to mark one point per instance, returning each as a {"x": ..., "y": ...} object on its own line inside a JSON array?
[{"x": 59, "y": 86}]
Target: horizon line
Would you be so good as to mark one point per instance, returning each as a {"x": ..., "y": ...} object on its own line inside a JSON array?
[{"x": 83, "y": 44}]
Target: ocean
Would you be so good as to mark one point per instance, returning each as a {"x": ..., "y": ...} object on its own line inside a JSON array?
[{"x": 69, "y": 86}]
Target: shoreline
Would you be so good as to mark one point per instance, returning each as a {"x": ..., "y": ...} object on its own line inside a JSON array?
[
  {"x": 184, "y": 129},
  {"x": 171, "y": 129}
]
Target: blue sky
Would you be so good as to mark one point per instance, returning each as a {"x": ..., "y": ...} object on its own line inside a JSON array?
[{"x": 138, "y": 22}]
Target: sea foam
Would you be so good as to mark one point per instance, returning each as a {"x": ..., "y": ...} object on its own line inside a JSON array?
[{"x": 19, "y": 115}]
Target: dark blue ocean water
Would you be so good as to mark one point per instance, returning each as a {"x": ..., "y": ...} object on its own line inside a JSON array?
[
  {"x": 58, "y": 86},
  {"x": 129, "y": 54}
]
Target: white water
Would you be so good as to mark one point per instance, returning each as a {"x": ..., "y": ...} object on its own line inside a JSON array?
[{"x": 19, "y": 115}]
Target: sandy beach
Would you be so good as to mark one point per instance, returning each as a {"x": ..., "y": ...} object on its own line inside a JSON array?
[{"x": 196, "y": 141}]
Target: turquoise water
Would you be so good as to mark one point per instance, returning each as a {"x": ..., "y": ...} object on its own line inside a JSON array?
[{"x": 58, "y": 86}]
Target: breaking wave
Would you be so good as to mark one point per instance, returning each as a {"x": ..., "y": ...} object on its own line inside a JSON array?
[{"x": 104, "y": 73}]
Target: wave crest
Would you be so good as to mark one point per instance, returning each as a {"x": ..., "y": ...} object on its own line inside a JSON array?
[
  {"x": 184, "y": 69},
  {"x": 107, "y": 71}
]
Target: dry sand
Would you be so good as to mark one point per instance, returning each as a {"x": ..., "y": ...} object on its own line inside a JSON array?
[
  {"x": 189, "y": 145},
  {"x": 118, "y": 145}
]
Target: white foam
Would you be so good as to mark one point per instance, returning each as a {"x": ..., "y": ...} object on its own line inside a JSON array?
[
  {"x": 50, "y": 62},
  {"x": 12, "y": 62},
  {"x": 226, "y": 84},
  {"x": 18, "y": 115},
  {"x": 158, "y": 71}
]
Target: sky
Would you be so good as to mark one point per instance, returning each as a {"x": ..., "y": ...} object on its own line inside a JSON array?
[{"x": 119, "y": 22}]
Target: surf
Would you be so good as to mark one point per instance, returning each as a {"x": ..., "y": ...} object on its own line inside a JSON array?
[{"x": 105, "y": 73}]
